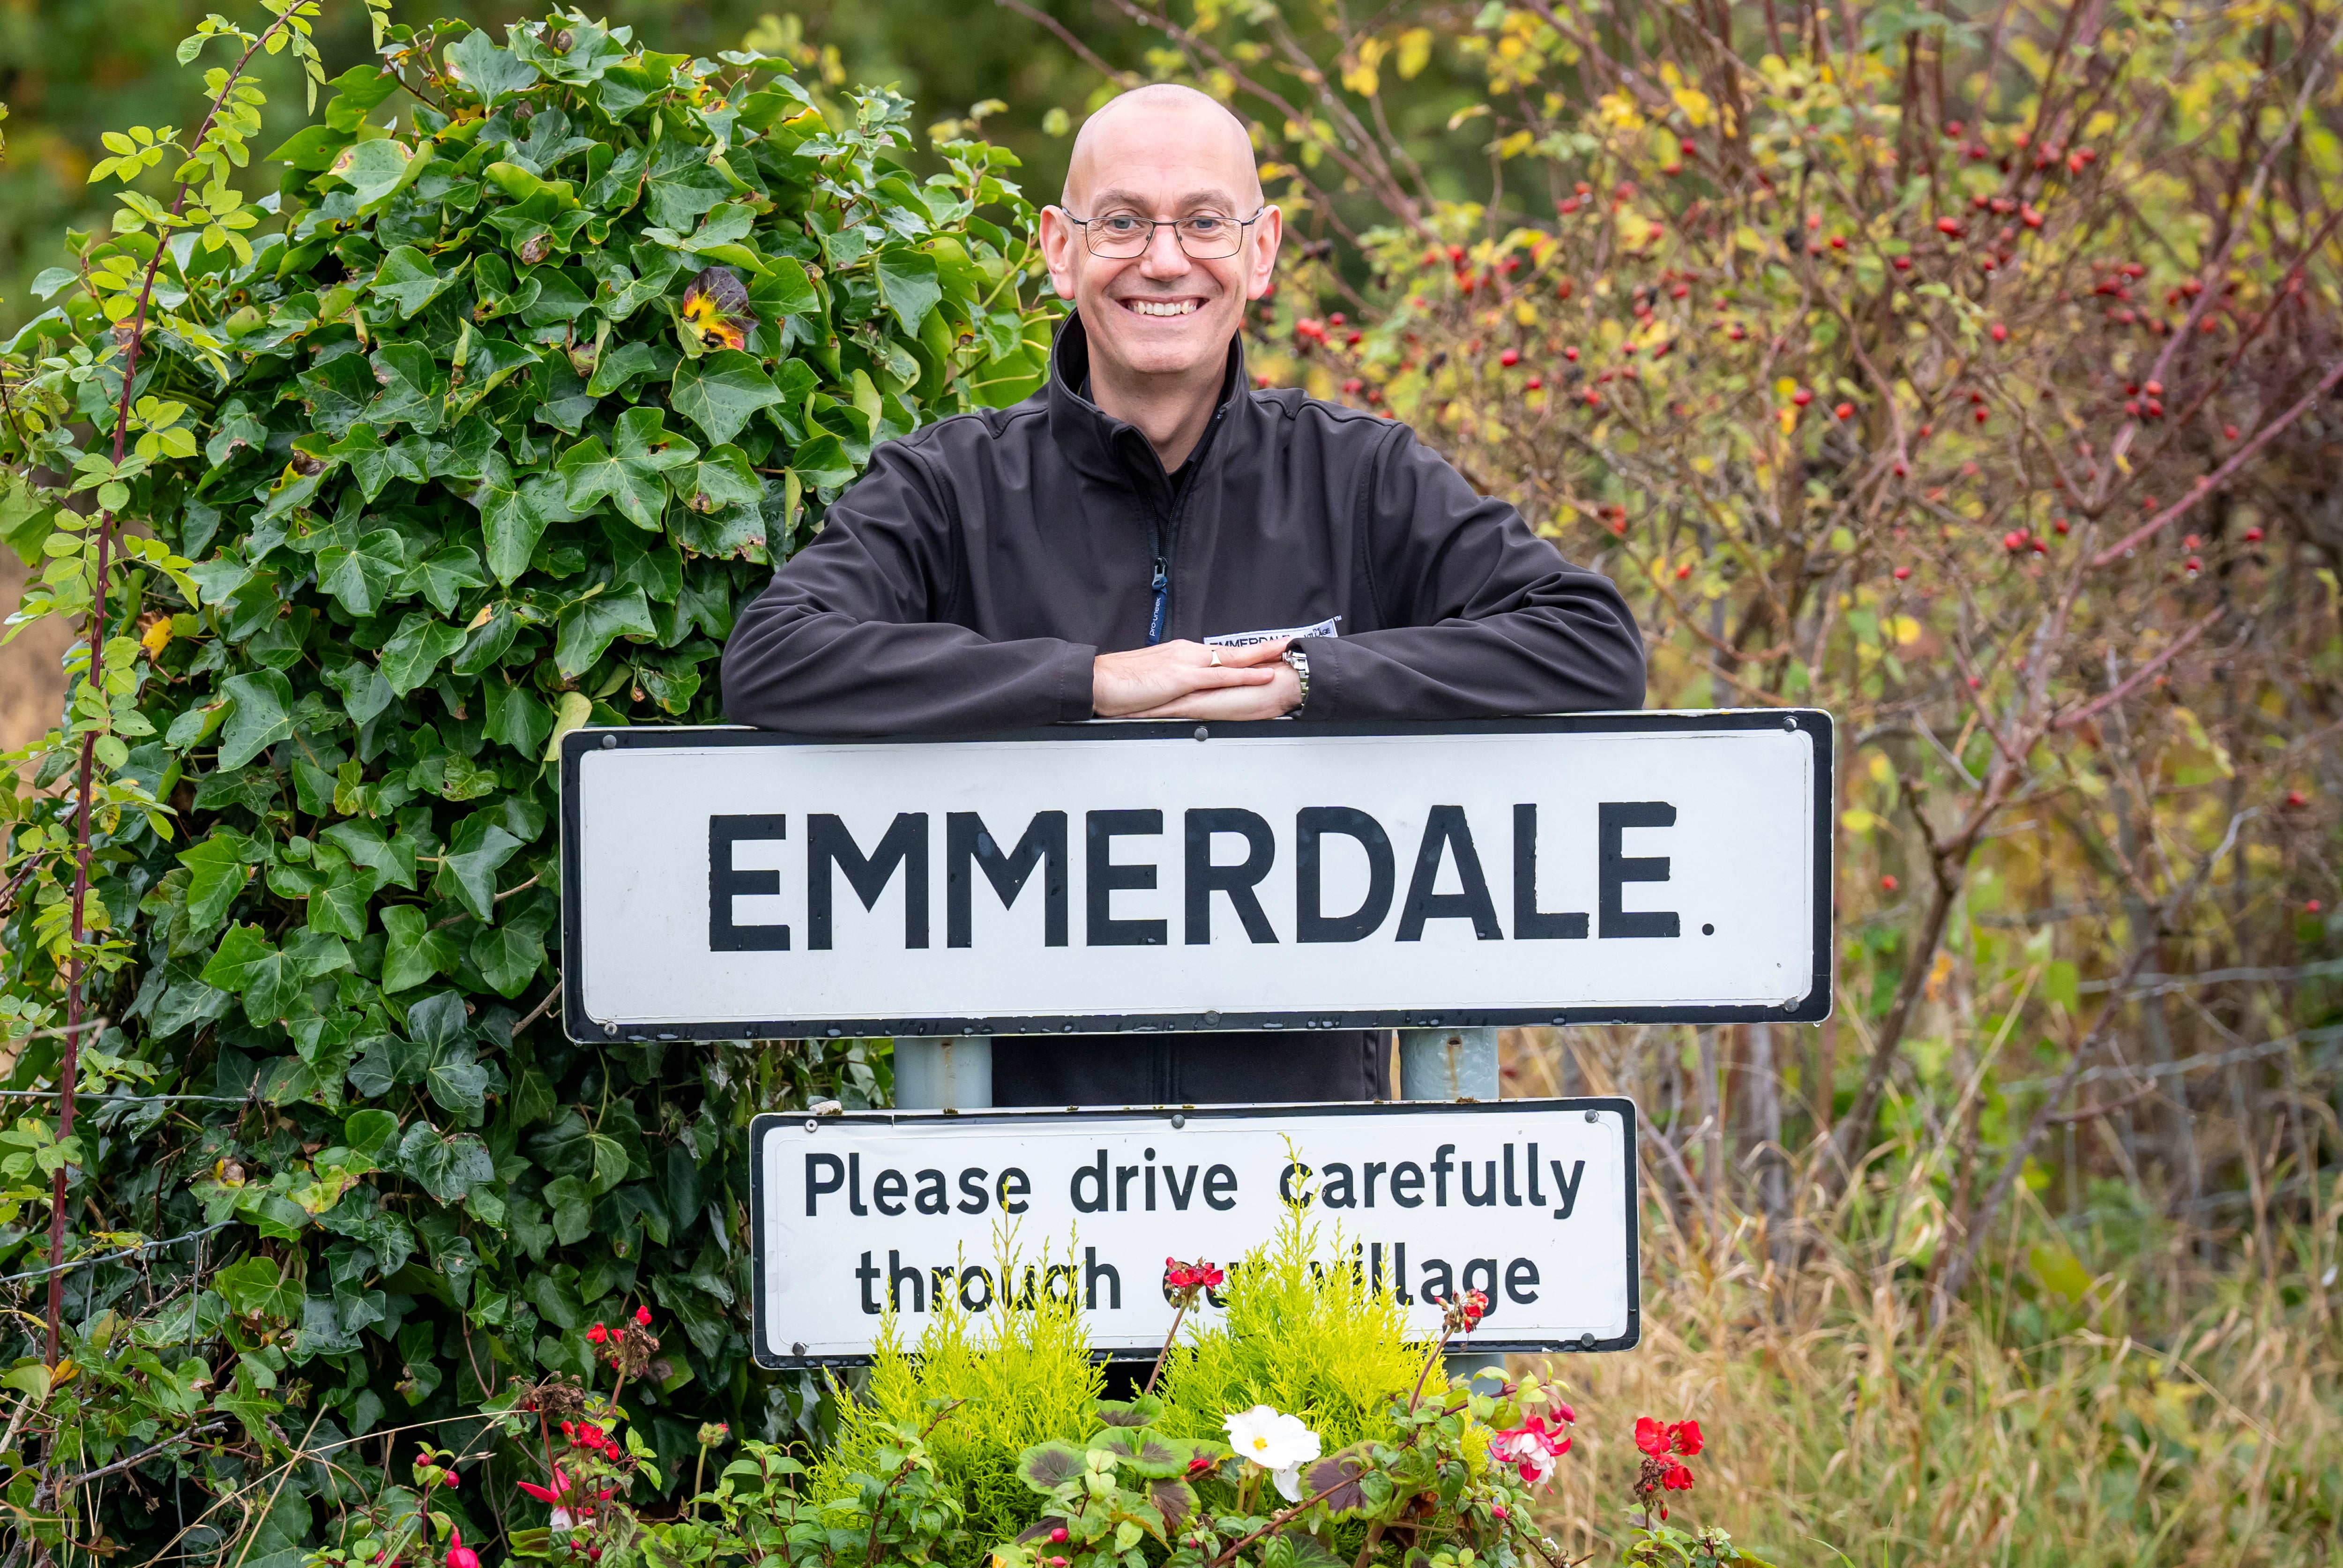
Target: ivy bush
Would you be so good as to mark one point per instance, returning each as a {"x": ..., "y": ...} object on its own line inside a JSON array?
[{"x": 476, "y": 428}]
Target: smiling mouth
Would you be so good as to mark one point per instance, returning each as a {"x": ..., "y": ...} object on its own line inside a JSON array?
[{"x": 1162, "y": 307}]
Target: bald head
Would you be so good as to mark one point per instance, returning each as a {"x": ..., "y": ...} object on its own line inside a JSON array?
[{"x": 1140, "y": 126}]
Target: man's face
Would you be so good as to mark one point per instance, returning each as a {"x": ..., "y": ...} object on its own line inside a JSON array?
[{"x": 1162, "y": 313}]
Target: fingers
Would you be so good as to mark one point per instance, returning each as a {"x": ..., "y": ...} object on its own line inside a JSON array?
[{"x": 1258, "y": 653}]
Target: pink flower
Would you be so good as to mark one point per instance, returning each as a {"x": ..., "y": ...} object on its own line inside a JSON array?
[
  {"x": 1531, "y": 1448},
  {"x": 553, "y": 1493},
  {"x": 459, "y": 1554}
]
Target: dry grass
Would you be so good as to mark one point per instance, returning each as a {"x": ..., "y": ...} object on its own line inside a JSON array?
[{"x": 2168, "y": 1416}]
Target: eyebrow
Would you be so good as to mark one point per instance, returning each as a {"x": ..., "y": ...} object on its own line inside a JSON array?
[{"x": 1186, "y": 204}]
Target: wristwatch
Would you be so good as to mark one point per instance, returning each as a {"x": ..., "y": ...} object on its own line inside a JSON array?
[{"x": 1300, "y": 663}]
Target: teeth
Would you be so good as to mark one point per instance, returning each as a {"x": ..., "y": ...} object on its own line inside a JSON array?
[{"x": 1162, "y": 307}]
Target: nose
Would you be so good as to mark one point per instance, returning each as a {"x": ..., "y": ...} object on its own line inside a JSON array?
[{"x": 1164, "y": 259}]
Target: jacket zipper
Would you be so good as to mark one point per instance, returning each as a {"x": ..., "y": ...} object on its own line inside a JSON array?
[{"x": 1164, "y": 540}]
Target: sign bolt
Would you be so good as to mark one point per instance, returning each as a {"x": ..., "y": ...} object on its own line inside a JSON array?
[
  {"x": 1593, "y": 1116},
  {"x": 811, "y": 1125},
  {"x": 1202, "y": 733},
  {"x": 609, "y": 743},
  {"x": 1179, "y": 1121},
  {"x": 798, "y": 1347}
]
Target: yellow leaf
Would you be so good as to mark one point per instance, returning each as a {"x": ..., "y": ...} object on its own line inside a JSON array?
[
  {"x": 1883, "y": 772},
  {"x": 1907, "y": 630},
  {"x": 1414, "y": 52},
  {"x": 1694, "y": 104},
  {"x": 1856, "y": 819}
]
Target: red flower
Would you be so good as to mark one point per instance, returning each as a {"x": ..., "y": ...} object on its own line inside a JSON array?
[
  {"x": 1675, "y": 1477},
  {"x": 643, "y": 1316},
  {"x": 459, "y": 1554},
  {"x": 596, "y": 1335},
  {"x": 1659, "y": 1439},
  {"x": 1200, "y": 1275}
]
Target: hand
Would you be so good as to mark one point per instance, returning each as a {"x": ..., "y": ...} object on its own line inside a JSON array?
[
  {"x": 1230, "y": 703},
  {"x": 1165, "y": 681}
]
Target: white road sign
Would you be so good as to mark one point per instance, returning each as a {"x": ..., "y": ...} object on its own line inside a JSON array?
[
  {"x": 1529, "y": 1202},
  {"x": 730, "y": 883}
]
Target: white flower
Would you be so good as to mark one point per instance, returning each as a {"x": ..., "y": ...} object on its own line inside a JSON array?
[{"x": 1279, "y": 1443}]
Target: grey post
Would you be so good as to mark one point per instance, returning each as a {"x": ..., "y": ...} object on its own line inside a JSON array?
[
  {"x": 1451, "y": 1064},
  {"x": 943, "y": 1072}
]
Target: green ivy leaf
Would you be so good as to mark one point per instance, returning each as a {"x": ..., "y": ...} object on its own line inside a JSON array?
[
  {"x": 359, "y": 575},
  {"x": 683, "y": 183},
  {"x": 467, "y": 873},
  {"x": 509, "y": 957},
  {"x": 407, "y": 281},
  {"x": 588, "y": 627},
  {"x": 412, "y": 951},
  {"x": 721, "y": 392},
  {"x": 254, "y": 1287},
  {"x": 907, "y": 285},
  {"x": 415, "y": 649},
  {"x": 216, "y": 873},
  {"x": 630, "y": 477},
  {"x": 493, "y": 73},
  {"x": 414, "y": 387},
  {"x": 262, "y": 716},
  {"x": 443, "y": 574}
]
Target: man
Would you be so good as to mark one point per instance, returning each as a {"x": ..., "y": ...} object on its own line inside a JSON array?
[{"x": 1068, "y": 557}]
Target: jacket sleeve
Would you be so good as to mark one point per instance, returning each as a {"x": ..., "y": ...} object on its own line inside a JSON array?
[
  {"x": 1483, "y": 618},
  {"x": 848, "y": 640}
]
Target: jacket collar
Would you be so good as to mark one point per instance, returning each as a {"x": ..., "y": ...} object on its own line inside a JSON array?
[{"x": 1100, "y": 446}]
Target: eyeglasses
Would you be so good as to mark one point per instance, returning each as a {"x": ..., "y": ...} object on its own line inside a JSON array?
[{"x": 1205, "y": 235}]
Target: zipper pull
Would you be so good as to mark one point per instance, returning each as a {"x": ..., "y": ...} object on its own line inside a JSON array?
[{"x": 1162, "y": 587}]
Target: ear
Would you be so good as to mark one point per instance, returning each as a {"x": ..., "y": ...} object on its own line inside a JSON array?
[
  {"x": 1268, "y": 232},
  {"x": 1059, "y": 246}
]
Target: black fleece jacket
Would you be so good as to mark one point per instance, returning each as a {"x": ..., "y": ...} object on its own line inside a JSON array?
[{"x": 968, "y": 580}]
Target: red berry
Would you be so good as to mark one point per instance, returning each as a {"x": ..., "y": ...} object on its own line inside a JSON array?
[
  {"x": 2311, "y": 908},
  {"x": 1801, "y": 397},
  {"x": 1902, "y": 263},
  {"x": 1536, "y": 383},
  {"x": 1685, "y": 147},
  {"x": 1948, "y": 226},
  {"x": 1887, "y": 884},
  {"x": 1684, "y": 571},
  {"x": 1902, "y": 573},
  {"x": 2000, "y": 332},
  {"x": 1571, "y": 354},
  {"x": 1838, "y": 242},
  {"x": 2228, "y": 432},
  {"x": 1509, "y": 358},
  {"x": 2013, "y": 540},
  {"x": 1980, "y": 415},
  {"x": 2153, "y": 388},
  {"x": 1354, "y": 387},
  {"x": 2059, "y": 525},
  {"x": 2155, "y": 409},
  {"x": 2253, "y": 535},
  {"x": 2193, "y": 565},
  {"x": 1338, "y": 319},
  {"x": 1844, "y": 411},
  {"x": 2297, "y": 797}
]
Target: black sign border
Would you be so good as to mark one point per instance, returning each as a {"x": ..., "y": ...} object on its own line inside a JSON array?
[
  {"x": 759, "y": 1125},
  {"x": 1812, "y": 1008}
]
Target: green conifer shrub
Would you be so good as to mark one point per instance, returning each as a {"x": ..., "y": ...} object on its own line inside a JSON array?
[{"x": 478, "y": 427}]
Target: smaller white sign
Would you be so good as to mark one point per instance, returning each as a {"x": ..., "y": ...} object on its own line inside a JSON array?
[{"x": 1529, "y": 1202}]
